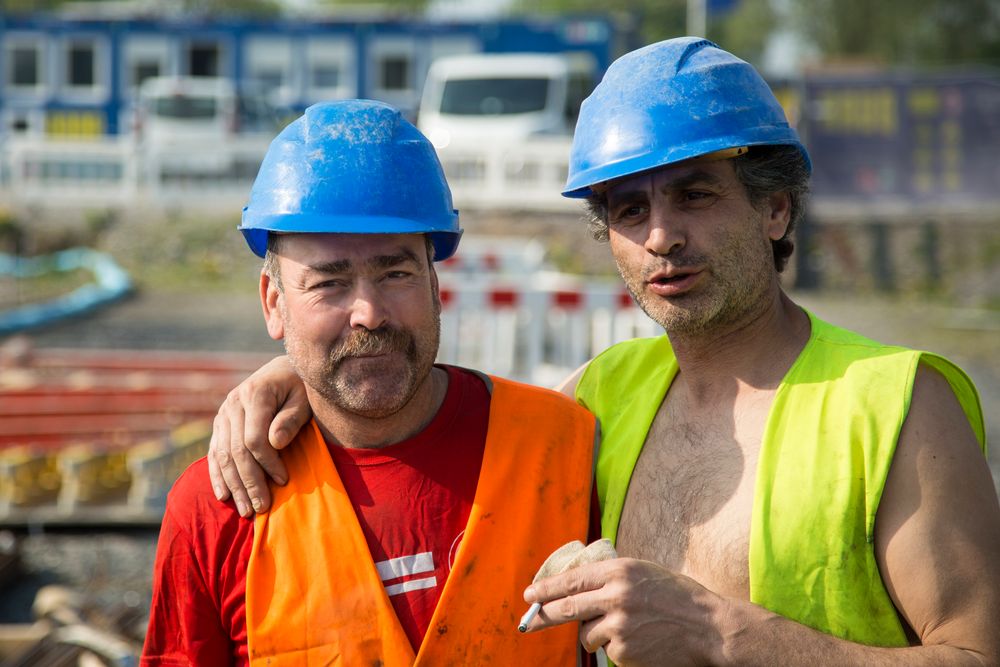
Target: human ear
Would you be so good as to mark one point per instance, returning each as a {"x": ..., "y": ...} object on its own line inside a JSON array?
[
  {"x": 270, "y": 297},
  {"x": 779, "y": 211}
]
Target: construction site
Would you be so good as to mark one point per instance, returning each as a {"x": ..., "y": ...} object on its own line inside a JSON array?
[{"x": 129, "y": 305}]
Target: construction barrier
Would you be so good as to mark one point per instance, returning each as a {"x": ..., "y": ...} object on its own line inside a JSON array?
[{"x": 538, "y": 332}]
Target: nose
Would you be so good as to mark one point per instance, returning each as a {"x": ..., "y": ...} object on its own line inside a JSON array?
[
  {"x": 666, "y": 233},
  {"x": 368, "y": 308}
]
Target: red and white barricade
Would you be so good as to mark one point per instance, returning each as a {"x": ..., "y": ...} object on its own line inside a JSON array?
[{"x": 535, "y": 333}]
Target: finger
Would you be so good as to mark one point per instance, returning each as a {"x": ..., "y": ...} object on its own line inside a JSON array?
[
  {"x": 294, "y": 414},
  {"x": 232, "y": 480},
  {"x": 229, "y": 428},
  {"x": 587, "y": 577},
  {"x": 214, "y": 474},
  {"x": 594, "y": 634},
  {"x": 260, "y": 408},
  {"x": 250, "y": 475},
  {"x": 570, "y": 609}
]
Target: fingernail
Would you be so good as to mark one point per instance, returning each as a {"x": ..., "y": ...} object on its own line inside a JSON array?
[
  {"x": 242, "y": 508},
  {"x": 256, "y": 504},
  {"x": 281, "y": 479},
  {"x": 529, "y": 592},
  {"x": 218, "y": 492}
]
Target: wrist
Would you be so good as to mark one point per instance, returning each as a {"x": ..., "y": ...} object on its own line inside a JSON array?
[{"x": 734, "y": 620}]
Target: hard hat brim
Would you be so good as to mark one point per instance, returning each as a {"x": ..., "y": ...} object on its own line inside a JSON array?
[
  {"x": 445, "y": 236},
  {"x": 580, "y": 186}
]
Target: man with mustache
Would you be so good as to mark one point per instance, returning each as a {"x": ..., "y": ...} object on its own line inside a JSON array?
[
  {"x": 782, "y": 491},
  {"x": 421, "y": 498}
]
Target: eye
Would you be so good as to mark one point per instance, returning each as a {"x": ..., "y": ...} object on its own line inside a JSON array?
[
  {"x": 697, "y": 198},
  {"x": 397, "y": 275},
  {"x": 329, "y": 284},
  {"x": 629, "y": 213}
]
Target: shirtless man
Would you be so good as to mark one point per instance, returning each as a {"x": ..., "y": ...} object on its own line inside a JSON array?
[{"x": 781, "y": 491}]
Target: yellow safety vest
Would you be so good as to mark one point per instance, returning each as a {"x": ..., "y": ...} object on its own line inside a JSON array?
[{"x": 825, "y": 454}]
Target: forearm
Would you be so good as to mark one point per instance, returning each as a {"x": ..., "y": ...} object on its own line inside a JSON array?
[{"x": 755, "y": 637}]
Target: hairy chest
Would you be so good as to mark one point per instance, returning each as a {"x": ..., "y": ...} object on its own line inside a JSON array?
[{"x": 690, "y": 499}]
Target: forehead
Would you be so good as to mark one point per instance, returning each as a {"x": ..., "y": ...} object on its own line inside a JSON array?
[
  {"x": 688, "y": 172},
  {"x": 355, "y": 248}
]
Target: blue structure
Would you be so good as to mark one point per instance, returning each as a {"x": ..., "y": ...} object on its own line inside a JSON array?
[
  {"x": 110, "y": 284},
  {"x": 63, "y": 75}
]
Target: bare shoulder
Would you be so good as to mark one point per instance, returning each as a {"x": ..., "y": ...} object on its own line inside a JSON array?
[
  {"x": 937, "y": 529},
  {"x": 568, "y": 386}
]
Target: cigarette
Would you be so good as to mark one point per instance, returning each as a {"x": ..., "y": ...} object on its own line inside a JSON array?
[{"x": 529, "y": 616}]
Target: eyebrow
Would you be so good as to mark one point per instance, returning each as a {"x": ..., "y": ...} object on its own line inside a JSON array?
[
  {"x": 698, "y": 176},
  {"x": 691, "y": 178},
  {"x": 376, "y": 262}
]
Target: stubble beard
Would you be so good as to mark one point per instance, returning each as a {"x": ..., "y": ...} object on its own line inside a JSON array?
[
  {"x": 382, "y": 386},
  {"x": 738, "y": 280}
]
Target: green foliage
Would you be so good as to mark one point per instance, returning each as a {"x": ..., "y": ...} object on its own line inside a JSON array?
[
  {"x": 744, "y": 31},
  {"x": 230, "y": 7},
  {"x": 201, "y": 7},
  {"x": 903, "y": 32},
  {"x": 655, "y": 19},
  {"x": 393, "y": 7},
  {"x": 890, "y": 32}
]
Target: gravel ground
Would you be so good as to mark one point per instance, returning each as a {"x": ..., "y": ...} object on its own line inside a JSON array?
[{"x": 113, "y": 569}]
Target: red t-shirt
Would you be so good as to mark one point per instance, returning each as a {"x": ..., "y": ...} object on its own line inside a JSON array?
[{"x": 412, "y": 499}]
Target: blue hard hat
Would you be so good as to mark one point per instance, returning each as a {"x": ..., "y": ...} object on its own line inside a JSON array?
[
  {"x": 353, "y": 166},
  {"x": 667, "y": 102}
]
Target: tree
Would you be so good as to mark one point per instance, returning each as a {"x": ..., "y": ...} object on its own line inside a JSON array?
[
  {"x": 411, "y": 7},
  {"x": 903, "y": 32},
  {"x": 743, "y": 31},
  {"x": 201, "y": 7},
  {"x": 656, "y": 19}
]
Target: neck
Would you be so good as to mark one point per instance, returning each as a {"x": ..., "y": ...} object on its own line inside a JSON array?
[
  {"x": 358, "y": 432},
  {"x": 756, "y": 351}
]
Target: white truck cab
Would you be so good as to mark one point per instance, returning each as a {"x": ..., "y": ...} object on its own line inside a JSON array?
[
  {"x": 186, "y": 109},
  {"x": 502, "y": 97}
]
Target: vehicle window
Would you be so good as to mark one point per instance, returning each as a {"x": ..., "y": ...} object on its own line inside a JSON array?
[
  {"x": 579, "y": 86},
  {"x": 185, "y": 107},
  {"x": 255, "y": 114},
  {"x": 494, "y": 97}
]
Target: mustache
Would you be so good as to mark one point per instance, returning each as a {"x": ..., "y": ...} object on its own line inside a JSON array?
[
  {"x": 675, "y": 263},
  {"x": 365, "y": 342}
]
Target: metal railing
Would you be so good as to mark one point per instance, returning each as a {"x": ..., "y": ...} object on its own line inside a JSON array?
[{"x": 119, "y": 173}]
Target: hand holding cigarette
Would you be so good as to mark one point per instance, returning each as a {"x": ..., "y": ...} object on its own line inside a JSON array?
[{"x": 565, "y": 558}]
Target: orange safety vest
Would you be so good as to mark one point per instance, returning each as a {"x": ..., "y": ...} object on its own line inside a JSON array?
[{"x": 314, "y": 596}]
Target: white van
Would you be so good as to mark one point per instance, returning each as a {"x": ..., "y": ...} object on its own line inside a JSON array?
[
  {"x": 194, "y": 109},
  {"x": 503, "y": 97}
]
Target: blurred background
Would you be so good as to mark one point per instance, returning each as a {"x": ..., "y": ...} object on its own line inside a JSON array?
[{"x": 130, "y": 133}]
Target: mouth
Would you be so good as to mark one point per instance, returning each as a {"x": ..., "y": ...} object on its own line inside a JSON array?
[{"x": 673, "y": 282}]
